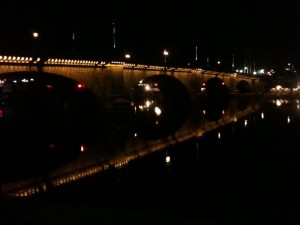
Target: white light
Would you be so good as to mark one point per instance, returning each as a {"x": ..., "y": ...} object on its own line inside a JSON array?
[
  {"x": 82, "y": 149},
  {"x": 35, "y": 34},
  {"x": 278, "y": 102},
  {"x": 148, "y": 103},
  {"x": 157, "y": 111},
  {"x": 168, "y": 160}
]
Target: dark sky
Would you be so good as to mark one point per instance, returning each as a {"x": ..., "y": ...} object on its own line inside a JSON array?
[{"x": 266, "y": 32}]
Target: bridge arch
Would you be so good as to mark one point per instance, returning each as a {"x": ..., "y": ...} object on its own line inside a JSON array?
[
  {"x": 161, "y": 105},
  {"x": 243, "y": 86},
  {"x": 171, "y": 90},
  {"x": 216, "y": 88}
]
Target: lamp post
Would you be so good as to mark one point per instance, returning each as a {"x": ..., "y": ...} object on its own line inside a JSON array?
[
  {"x": 35, "y": 36},
  {"x": 127, "y": 57},
  {"x": 166, "y": 53}
]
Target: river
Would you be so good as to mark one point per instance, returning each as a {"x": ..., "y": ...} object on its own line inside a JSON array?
[{"x": 224, "y": 163}]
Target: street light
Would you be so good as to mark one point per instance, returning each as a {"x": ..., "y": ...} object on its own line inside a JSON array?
[
  {"x": 127, "y": 56},
  {"x": 35, "y": 34},
  {"x": 166, "y": 53},
  {"x": 35, "y": 46}
]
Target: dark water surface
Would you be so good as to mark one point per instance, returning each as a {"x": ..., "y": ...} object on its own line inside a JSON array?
[
  {"x": 156, "y": 156},
  {"x": 232, "y": 163}
]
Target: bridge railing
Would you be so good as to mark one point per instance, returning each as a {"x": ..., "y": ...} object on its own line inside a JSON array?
[{"x": 5, "y": 59}]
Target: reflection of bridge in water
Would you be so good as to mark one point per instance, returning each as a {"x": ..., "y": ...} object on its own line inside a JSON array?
[{"x": 102, "y": 156}]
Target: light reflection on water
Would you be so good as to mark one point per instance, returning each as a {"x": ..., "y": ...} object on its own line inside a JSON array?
[
  {"x": 243, "y": 165},
  {"x": 118, "y": 142}
]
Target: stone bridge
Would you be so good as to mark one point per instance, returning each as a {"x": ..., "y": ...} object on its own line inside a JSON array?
[{"x": 116, "y": 79}]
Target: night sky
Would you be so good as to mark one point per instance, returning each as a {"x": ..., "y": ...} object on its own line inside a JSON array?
[{"x": 264, "y": 32}]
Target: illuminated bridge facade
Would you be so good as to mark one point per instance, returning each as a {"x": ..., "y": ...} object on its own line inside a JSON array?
[{"x": 109, "y": 80}]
